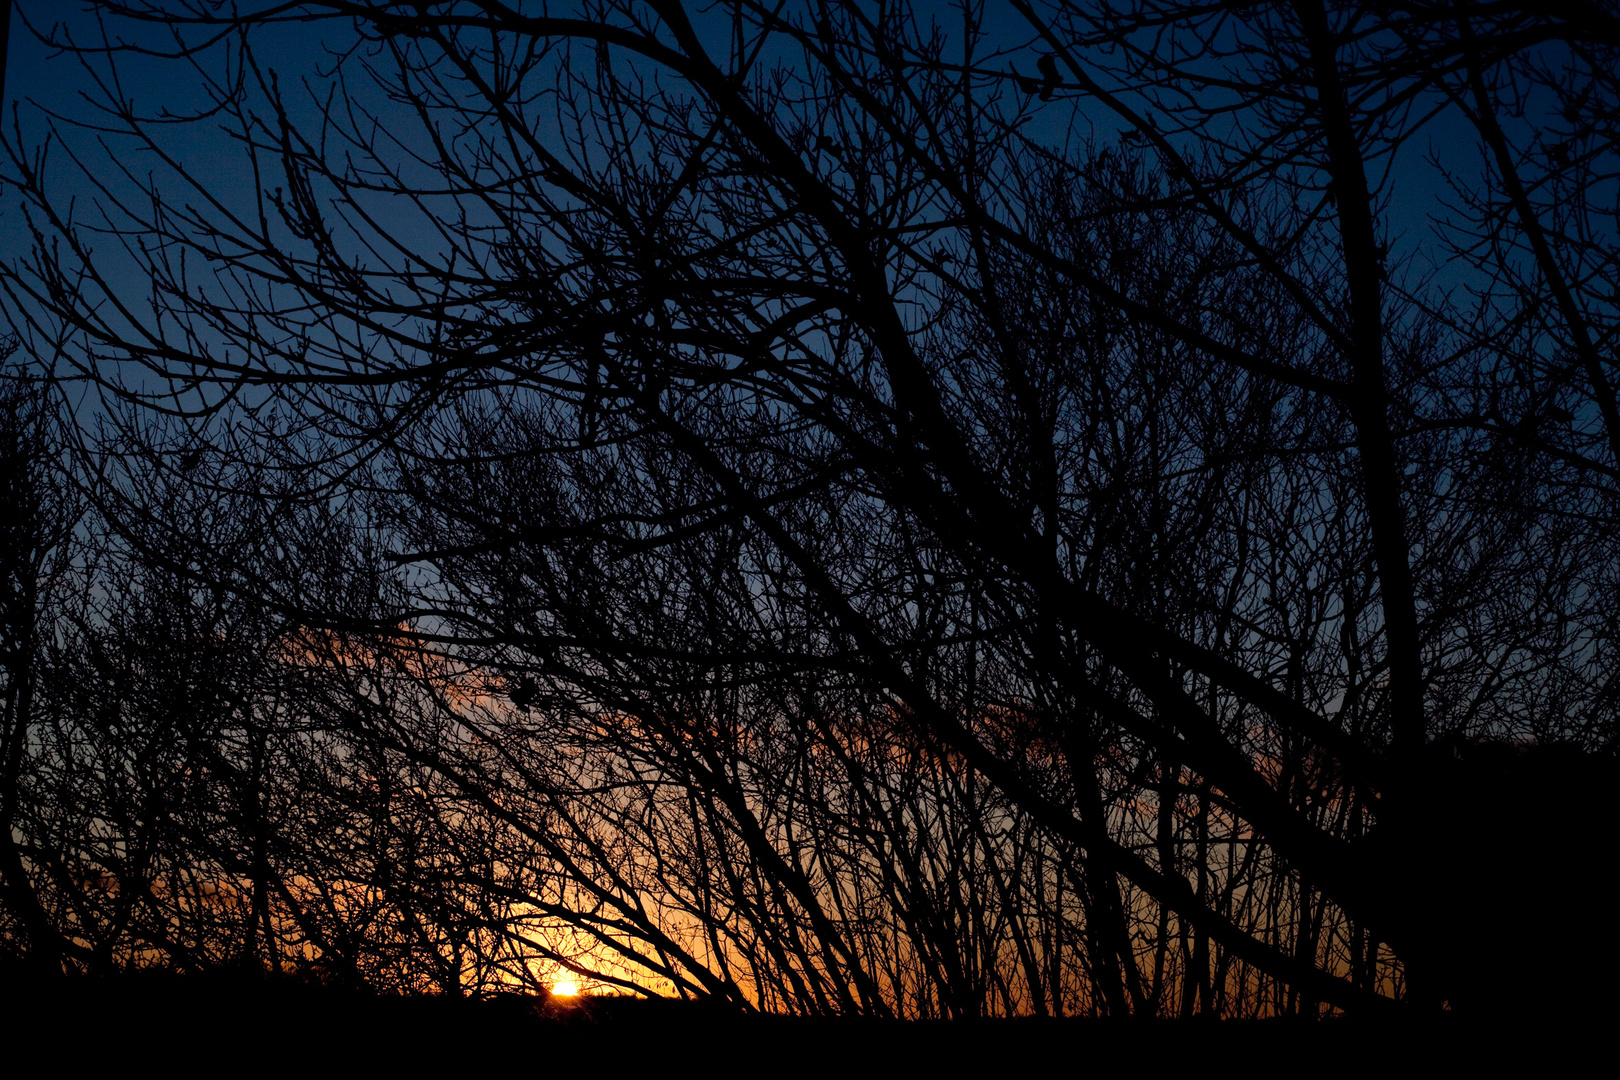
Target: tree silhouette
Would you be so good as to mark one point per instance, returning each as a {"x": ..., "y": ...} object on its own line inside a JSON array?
[
  {"x": 39, "y": 517},
  {"x": 782, "y": 504}
]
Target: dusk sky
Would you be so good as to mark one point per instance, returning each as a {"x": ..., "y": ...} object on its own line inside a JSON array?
[{"x": 563, "y": 505}]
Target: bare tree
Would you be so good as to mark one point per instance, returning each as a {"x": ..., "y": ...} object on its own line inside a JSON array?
[
  {"x": 33, "y": 541},
  {"x": 877, "y": 511}
]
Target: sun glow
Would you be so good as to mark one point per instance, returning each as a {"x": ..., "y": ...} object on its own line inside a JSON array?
[{"x": 565, "y": 989}]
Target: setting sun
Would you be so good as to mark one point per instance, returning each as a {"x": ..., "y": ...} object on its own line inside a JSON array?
[{"x": 565, "y": 989}]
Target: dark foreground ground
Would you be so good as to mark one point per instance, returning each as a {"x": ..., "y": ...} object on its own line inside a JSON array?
[{"x": 205, "y": 1025}]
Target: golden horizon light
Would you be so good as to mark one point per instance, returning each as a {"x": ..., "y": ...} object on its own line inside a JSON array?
[{"x": 565, "y": 989}]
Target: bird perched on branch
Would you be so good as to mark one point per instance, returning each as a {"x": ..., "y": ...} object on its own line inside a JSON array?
[{"x": 1049, "y": 75}]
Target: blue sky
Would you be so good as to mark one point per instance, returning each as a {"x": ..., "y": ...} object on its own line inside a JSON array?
[{"x": 58, "y": 82}]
